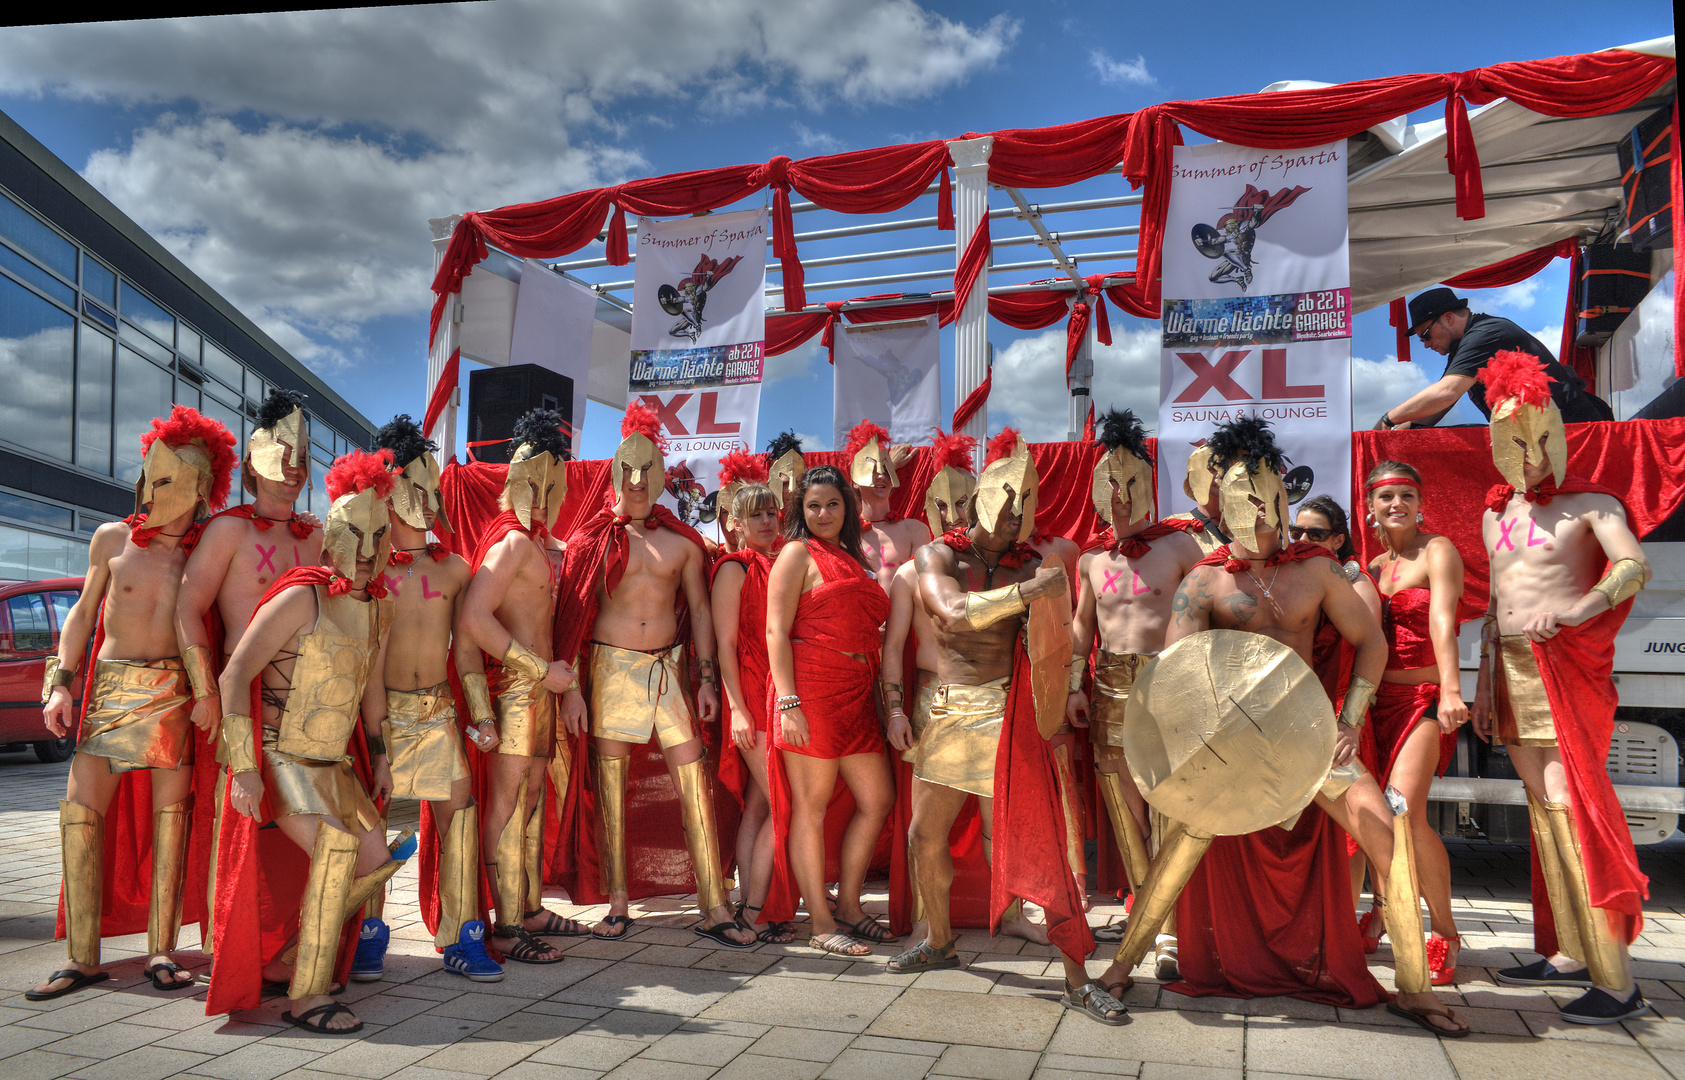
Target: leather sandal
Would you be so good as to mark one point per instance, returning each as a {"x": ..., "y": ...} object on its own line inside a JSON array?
[
  {"x": 922, "y": 957},
  {"x": 837, "y": 942},
  {"x": 520, "y": 946},
  {"x": 316, "y": 1019},
  {"x": 78, "y": 979},
  {"x": 869, "y": 929},
  {"x": 156, "y": 971},
  {"x": 556, "y": 925},
  {"x": 1097, "y": 1002}
]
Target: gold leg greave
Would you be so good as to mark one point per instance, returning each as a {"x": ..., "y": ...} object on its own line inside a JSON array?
[
  {"x": 322, "y": 913},
  {"x": 459, "y": 876},
  {"x": 508, "y": 876},
  {"x": 913, "y": 882},
  {"x": 1178, "y": 856},
  {"x": 210, "y": 871},
  {"x": 611, "y": 821},
  {"x": 1556, "y": 887},
  {"x": 1162, "y": 828},
  {"x": 375, "y": 906},
  {"x": 371, "y": 885},
  {"x": 696, "y": 801},
  {"x": 1070, "y": 797},
  {"x": 1402, "y": 913},
  {"x": 82, "y": 840},
  {"x": 170, "y": 827},
  {"x": 1125, "y": 828},
  {"x": 532, "y": 855},
  {"x": 1603, "y": 950}
]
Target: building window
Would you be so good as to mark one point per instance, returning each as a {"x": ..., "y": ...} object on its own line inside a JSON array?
[
  {"x": 37, "y": 359},
  {"x": 37, "y": 239},
  {"x": 143, "y": 392},
  {"x": 27, "y": 555},
  {"x": 98, "y": 282},
  {"x": 93, "y": 401}
]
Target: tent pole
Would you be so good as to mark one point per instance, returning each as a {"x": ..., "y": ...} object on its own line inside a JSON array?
[{"x": 971, "y": 324}]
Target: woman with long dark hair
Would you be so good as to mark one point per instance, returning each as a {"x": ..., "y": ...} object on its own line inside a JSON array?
[
  {"x": 1419, "y": 704},
  {"x": 825, "y": 611}
]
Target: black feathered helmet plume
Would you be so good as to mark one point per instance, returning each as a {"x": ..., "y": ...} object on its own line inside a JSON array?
[
  {"x": 788, "y": 466},
  {"x": 1124, "y": 472},
  {"x": 537, "y": 481},
  {"x": 278, "y": 438},
  {"x": 1250, "y": 467},
  {"x": 417, "y": 494}
]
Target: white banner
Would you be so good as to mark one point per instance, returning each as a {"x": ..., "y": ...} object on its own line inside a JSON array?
[
  {"x": 1257, "y": 310},
  {"x": 554, "y": 318},
  {"x": 698, "y": 342},
  {"x": 891, "y": 374}
]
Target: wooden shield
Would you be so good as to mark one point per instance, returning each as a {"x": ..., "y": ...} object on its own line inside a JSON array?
[{"x": 1049, "y": 632}]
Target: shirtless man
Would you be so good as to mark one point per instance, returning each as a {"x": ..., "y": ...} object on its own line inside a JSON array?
[
  {"x": 509, "y": 613},
  {"x": 313, "y": 647},
  {"x": 1550, "y": 537},
  {"x": 137, "y": 710},
  {"x": 1283, "y": 592},
  {"x": 1124, "y": 596},
  {"x": 887, "y": 544},
  {"x": 637, "y": 673},
  {"x": 423, "y": 739},
  {"x": 975, "y": 588},
  {"x": 240, "y": 553},
  {"x": 1200, "y": 485}
]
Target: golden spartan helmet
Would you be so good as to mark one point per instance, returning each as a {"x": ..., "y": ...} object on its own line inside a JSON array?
[
  {"x": 271, "y": 450},
  {"x": 1009, "y": 482},
  {"x": 417, "y": 489},
  {"x": 638, "y": 460},
  {"x": 358, "y": 527},
  {"x": 1516, "y": 430},
  {"x": 188, "y": 470},
  {"x": 1200, "y": 475},
  {"x": 786, "y": 475},
  {"x": 870, "y": 462},
  {"x": 1130, "y": 478},
  {"x": 537, "y": 484},
  {"x": 1238, "y": 487},
  {"x": 946, "y": 497}
]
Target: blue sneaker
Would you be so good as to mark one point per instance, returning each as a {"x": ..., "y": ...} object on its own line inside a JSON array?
[
  {"x": 403, "y": 848},
  {"x": 469, "y": 957},
  {"x": 370, "y": 962}
]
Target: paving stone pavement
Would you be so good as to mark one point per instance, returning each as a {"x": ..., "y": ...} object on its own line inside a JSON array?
[{"x": 665, "y": 1005}]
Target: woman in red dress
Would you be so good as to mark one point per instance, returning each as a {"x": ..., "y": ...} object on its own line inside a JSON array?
[
  {"x": 1419, "y": 705},
  {"x": 738, "y": 603},
  {"x": 825, "y": 613}
]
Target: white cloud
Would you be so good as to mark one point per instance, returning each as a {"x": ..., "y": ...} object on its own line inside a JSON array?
[
  {"x": 1379, "y": 385},
  {"x": 1550, "y": 337},
  {"x": 798, "y": 363},
  {"x": 1120, "y": 72},
  {"x": 1518, "y": 296},
  {"x": 819, "y": 142},
  {"x": 1029, "y": 381}
]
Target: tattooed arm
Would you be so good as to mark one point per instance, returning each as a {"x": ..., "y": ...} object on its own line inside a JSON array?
[{"x": 1190, "y": 609}]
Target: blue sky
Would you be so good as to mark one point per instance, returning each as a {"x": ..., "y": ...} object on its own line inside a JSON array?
[{"x": 293, "y": 159}]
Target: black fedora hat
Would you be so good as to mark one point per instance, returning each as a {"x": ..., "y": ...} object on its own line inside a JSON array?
[{"x": 1432, "y": 304}]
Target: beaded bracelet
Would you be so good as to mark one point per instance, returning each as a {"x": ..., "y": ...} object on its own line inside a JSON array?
[{"x": 791, "y": 702}]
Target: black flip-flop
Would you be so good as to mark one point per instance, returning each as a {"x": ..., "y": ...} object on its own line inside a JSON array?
[
  {"x": 78, "y": 979},
  {"x": 325, "y": 1012},
  {"x": 174, "y": 984},
  {"x": 1421, "y": 1018},
  {"x": 615, "y": 920},
  {"x": 717, "y": 932},
  {"x": 556, "y": 925}
]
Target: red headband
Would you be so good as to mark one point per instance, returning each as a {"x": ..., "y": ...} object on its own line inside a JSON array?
[{"x": 1387, "y": 481}]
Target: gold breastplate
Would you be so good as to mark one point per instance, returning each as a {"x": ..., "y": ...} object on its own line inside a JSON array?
[{"x": 332, "y": 669}]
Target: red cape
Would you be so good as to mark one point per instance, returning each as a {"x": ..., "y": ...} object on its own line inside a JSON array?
[
  {"x": 261, "y": 874},
  {"x": 1294, "y": 552},
  {"x": 1133, "y": 547}
]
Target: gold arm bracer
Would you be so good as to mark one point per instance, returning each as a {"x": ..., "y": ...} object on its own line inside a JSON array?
[
  {"x": 1622, "y": 582},
  {"x": 197, "y": 660},
  {"x": 1355, "y": 710},
  {"x": 238, "y": 735},
  {"x": 523, "y": 661},
  {"x": 985, "y": 609},
  {"x": 478, "y": 692},
  {"x": 1078, "y": 669},
  {"x": 55, "y": 676}
]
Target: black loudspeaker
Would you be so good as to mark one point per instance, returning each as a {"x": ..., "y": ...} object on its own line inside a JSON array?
[
  {"x": 1616, "y": 280},
  {"x": 497, "y": 397},
  {"x": 1647, "y": 159}
]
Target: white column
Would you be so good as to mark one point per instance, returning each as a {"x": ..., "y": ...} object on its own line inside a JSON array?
[
  {"x": 1080, "y": 379},
  {"x": 971, "y": 325},
  {"x": 450, "y": 328}
]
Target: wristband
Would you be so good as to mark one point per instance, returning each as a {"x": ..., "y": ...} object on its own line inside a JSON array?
[
  {"x": 376, "y": 744},
  {"x": 478, "y": 695},
  {"x": 54, "y": 677},
  {"x": 197, "y": 660},
  {"x": 786, "y": 704},
  {"x": 1355, "y": 710},
  {"x": 1078, "y": 669},
  {"x": 237, "y": 741},
  {"x": 984, "y": 609},
  {"x": 1622, "y": 582},
  {"x": 523, "y": 661}
]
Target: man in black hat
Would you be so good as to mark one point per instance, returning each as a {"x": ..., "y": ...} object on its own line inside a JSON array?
[{"x": 1441, "y": 320}]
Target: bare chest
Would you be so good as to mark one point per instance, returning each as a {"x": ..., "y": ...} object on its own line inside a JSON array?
[
  {"x": 1120, "y": 583},
  {"x": 1274, "y": 602},
  {"x": 422, "y": 590},
  {"x": 657, "y": 558},
  {"x": 887, "y": 548},
  {"x": 143, "y": 581},
  {"x": 1530, "y": 536},
  {"x": 261, "y": 557}
]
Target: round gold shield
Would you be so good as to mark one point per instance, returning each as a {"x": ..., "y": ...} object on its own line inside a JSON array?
[{"x": 1228, "y": 732}]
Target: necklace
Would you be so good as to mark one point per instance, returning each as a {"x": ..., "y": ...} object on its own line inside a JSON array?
[{"x": 1261, "y": 586}]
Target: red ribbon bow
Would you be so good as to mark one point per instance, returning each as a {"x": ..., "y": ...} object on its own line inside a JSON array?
[
  {"x": 959, "y": 538},
  {"x": 1499, "y": 496}
]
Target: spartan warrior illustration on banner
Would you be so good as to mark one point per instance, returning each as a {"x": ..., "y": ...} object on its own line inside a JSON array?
[
  {"x": 1232, "y": 238},
  {"x": 687, "y": 298}
]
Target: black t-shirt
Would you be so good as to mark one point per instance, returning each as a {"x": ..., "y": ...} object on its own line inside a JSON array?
[{"x": 1486, "y": 335}]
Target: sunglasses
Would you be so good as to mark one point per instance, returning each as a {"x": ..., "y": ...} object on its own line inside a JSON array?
[
  {"x": 1426, "y": 330},
  {"x": 1301, "y": 532}
]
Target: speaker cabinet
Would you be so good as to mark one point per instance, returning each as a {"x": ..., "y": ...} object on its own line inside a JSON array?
[{"x": 497, "y": 397}]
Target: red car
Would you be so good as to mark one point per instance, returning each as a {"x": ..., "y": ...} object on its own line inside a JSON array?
[{"x": 31, "y": 613}]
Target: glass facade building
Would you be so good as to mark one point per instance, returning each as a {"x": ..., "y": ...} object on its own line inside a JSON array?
[{"x": 102, "y": 329}]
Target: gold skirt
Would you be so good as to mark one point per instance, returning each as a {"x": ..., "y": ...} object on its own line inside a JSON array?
[
  {"x": 919, "y": 718},
  {"x": 1114, "y": 675},
  {"x": 1518, "y": 696},
  {"x": 141, "y": 715},
  {"x": 636, "y": 694},
  {"x": 957, "y": 747},
  {"x": 526, "y": 713},
  {"x": 298, "y": 785},
  {"x": 423, "y": 747}
]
